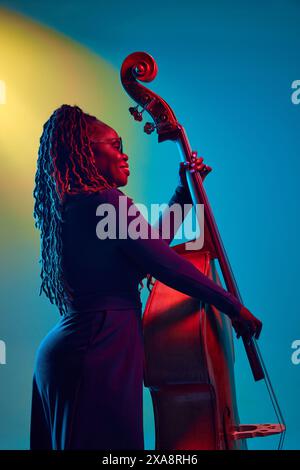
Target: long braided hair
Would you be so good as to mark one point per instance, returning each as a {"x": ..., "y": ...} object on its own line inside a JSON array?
[{"x": 65, "y": 166}]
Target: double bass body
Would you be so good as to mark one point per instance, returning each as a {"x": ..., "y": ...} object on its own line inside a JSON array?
[
  {"x": 189, "y": 366},
  {"x": 189, "y": 353}
]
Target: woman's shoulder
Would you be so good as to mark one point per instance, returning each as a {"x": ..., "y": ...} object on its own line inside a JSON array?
[
  {"x": 102, "y": 196},
  {"x": 113, "y": 195},
  {"x": 87, "y": 196}
]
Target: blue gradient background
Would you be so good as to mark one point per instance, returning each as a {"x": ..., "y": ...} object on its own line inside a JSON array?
[{"x": 226, "y": 68}]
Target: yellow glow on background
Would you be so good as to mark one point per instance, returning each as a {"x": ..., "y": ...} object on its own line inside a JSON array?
[
  {"x": 43, "y": 69},
  {"x": 2, "y": 92}
]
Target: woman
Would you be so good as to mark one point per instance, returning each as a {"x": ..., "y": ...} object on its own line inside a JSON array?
[{"x": 88, "y": 376}]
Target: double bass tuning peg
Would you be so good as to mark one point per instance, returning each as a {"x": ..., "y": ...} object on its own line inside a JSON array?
[
  {"x": 149, "y": 127},
  {"x": 134, "y": 110},
  {"x": 137, "y": 115}
]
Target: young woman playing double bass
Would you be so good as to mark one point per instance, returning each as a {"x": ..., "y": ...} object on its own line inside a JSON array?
[{"x": 88, "y": 376}]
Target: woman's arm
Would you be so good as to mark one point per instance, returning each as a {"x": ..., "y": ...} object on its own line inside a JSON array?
[
  {"x": 158, "y": 259},
  {"x": 181, "y": 196}
]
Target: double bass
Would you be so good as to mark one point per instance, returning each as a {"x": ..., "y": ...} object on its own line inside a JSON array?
[{"x": 188, "y": 345}]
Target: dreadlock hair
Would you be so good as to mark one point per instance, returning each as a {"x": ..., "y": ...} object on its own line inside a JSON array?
[{"x": 65, "y": 166}]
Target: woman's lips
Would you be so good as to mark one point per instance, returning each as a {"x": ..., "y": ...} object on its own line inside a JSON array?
[{"x": 125, "y": 169}]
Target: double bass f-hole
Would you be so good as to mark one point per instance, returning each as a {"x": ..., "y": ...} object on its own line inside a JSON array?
[{"x": 168, "y": 389}]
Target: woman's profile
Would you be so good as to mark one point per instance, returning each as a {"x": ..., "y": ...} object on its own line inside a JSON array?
[{"x": 88, "y": 374}]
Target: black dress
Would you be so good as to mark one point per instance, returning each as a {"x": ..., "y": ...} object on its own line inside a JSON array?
[{"x": 88, "y": 376}]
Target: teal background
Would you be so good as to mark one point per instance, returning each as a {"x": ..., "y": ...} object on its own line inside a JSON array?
[{"x": 226, "y": 68}]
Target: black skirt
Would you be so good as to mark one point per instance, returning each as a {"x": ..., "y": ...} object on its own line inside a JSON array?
[{"x": 88, "y": 383}]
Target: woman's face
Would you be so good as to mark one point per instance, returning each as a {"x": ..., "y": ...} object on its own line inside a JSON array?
[{"x": 109, "y": 159}]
